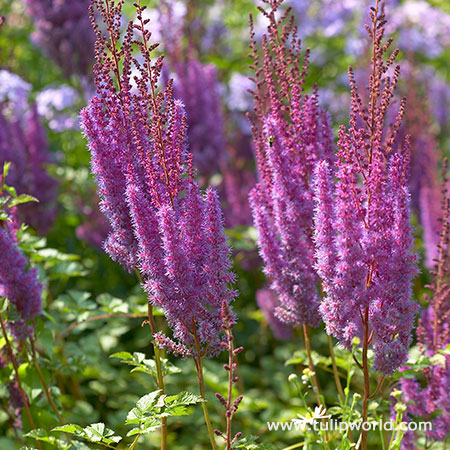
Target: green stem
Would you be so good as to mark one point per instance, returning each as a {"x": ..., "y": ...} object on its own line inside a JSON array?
[
  {"x": 16, "y": 373},
  {"x": 136, "y": 439},
  {"x": 335, "y": 370},
  {"x": 199, "y": 366},
  {"x": 365, "y": 365},
  {"x": 311, "y": 365},
  {"x": 159, "y": 372},
  {"x": 47, "y": 391}
]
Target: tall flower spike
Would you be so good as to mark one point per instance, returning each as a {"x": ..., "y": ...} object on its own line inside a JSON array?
[
  {"x": 290, "y": 134},
  {"x": 162, "y": 224},
  {"x": 366, "y": 260}
]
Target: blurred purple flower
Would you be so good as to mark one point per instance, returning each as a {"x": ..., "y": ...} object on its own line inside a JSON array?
[
  {"x": 18, "y": 283},
  {"x": 64, "y": 32},
  {"x": 23, "y": 143}
]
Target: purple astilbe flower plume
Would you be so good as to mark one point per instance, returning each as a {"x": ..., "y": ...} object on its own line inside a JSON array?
[
  {"x": 162, "y": 224},
  {"x": 362, "y": 232},
  {"x": 63, "y": 31},
  {"x": 290, "y": 134},
  {"x": 23, "y": 143},
  {"x": 18, "y": 282}
]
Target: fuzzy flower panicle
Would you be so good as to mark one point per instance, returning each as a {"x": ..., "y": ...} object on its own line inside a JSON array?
[
  {"x": 363, "y": 236},
  {"x": 291, "y": 133},
  {"x": 162, "y": 224}
]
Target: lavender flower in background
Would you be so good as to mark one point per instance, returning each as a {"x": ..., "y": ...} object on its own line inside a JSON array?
[
  {"x": 268, "y": 302},
  {"x": 290, "y": 133},
  {"x": 162, "y": 223},
  {"x": 14, "y": 92},
  {"x": 421, "y": 28},
  {"x": 64, "y": 32},
  {"x": 54, "y": 103},
  {"x": 364, "y": 243},
  {"x": 23, "y": 143},
  {"x": 196, "y": 85}
]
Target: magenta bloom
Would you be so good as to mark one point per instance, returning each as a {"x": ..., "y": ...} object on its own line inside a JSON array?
[
  {"x": 291, "y": 134},
  {"x": 162, "y": 224},
  {"x": 363, "y": 236}
]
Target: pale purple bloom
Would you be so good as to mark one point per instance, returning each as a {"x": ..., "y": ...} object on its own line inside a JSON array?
[{"x": 15, "y": 92}]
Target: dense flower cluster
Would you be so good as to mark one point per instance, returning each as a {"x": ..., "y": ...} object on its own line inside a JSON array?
[
  {"x": 362, "y": 230},
  {"x": 162, "y": 223},
  {"x": 63, "y": 30},
  {"x": 291, "y": 134},
  {"x": 23, "y": 143}
]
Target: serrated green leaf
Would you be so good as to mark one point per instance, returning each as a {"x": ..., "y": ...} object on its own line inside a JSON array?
[
  {"x": 23, "y": 198},
  {"x": 71, "y": 428},
  {"x": 125, "y": 356},
  {"x": 42, "y": 435},
  {"x": 183, "y": 398}
]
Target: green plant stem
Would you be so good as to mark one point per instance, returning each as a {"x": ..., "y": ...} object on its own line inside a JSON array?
[
  {"x": 311, "y": 365},
  {"x": 44, "y": 384},
  {"x": 16, "y": 373},
  {"x": 335, "y": 370},
  {"x": 159, "y": 372},
  {"x": 136, "y": 439},
  {"x": 365, "y": 365},
  {"x": 291, "y": 447},
  {"x": 229, "y": 417},
  {"x": 201, "y": 383}
]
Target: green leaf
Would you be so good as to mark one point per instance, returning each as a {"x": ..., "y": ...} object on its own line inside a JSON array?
[
  {"x": 23, "y": 198},
  {"x": 249, "y": 443},
  {"x": 124, "y": 356},
  {"x": 42, "y": 435},
  {"x": 10, "y": 190},
  {"x": 72, "y": 429},
  {"x": 6, "y": 167},
  {"x": 96, "y": 433}
]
